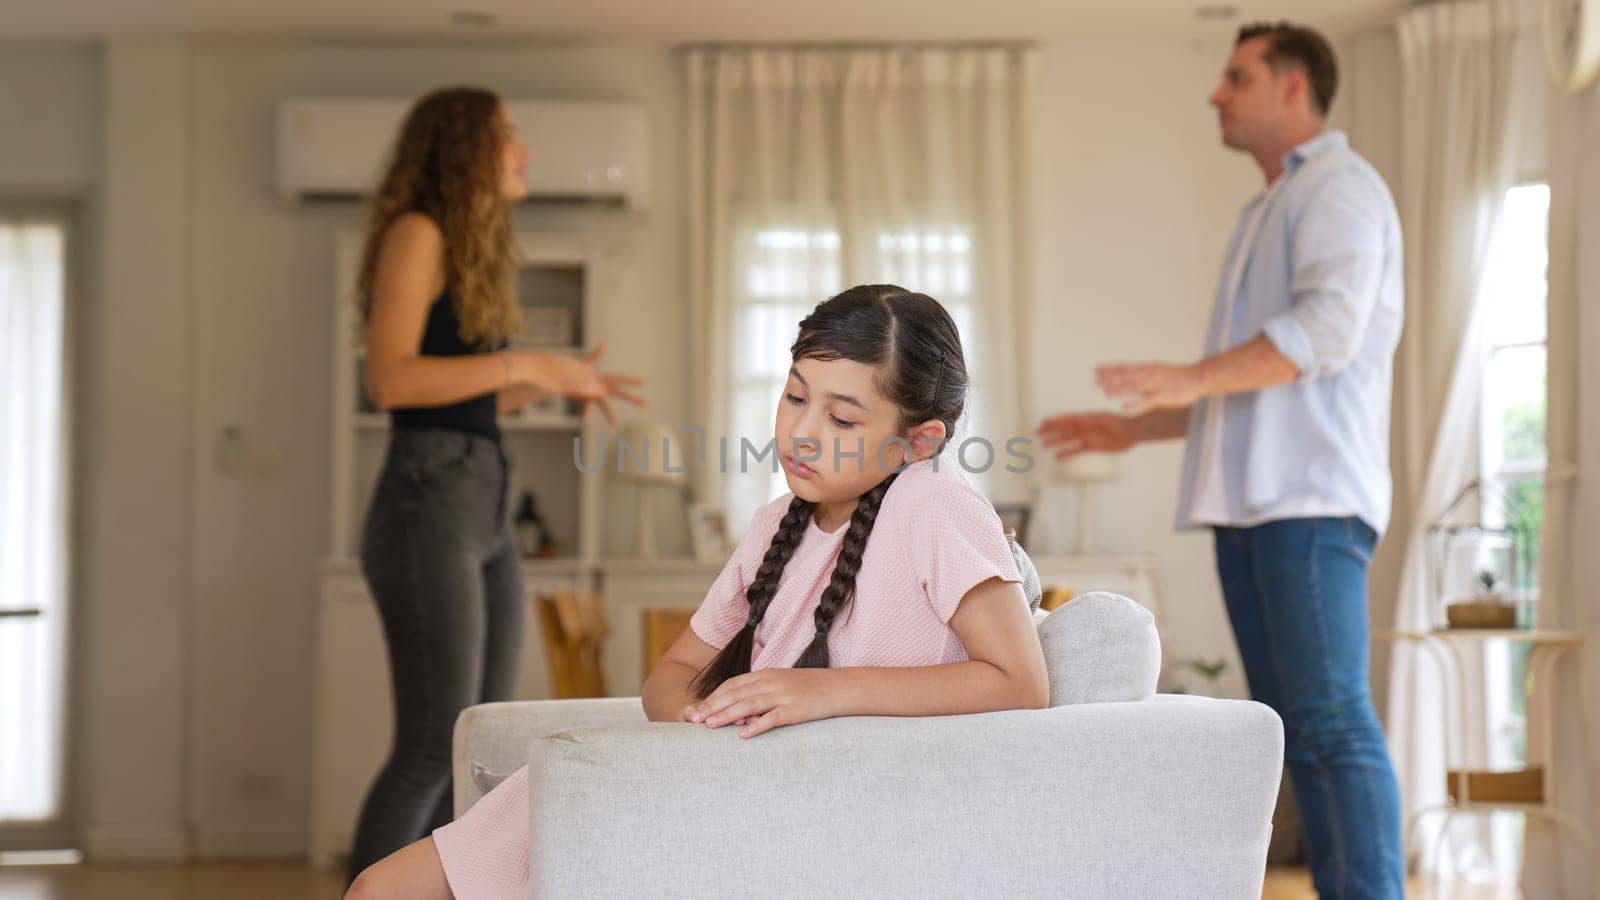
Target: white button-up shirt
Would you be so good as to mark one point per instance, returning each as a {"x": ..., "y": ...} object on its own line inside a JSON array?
[{"x": 1315, "y": 264}]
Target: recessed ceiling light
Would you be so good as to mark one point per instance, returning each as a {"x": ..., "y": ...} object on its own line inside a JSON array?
[
  {"x": 1217, "y": 12},
  {"x": 472, "y": 19}
]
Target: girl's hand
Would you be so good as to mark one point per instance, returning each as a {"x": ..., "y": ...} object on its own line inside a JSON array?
[
  {"x": 688, "y": 715},
  {"x": 764, "y": 700}
]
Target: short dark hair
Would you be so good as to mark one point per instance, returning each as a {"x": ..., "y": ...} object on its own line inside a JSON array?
[{"x": 1295, "y": 45}]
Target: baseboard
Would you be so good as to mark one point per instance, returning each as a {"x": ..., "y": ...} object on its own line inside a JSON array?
[
  {"x": 130, "y": 843},
  {"x": 249, "y": 840},
  {"x": 208, "y": 840}
]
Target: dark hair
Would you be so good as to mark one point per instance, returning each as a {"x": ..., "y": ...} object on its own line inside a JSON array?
[
  {"x": 1294, "y": 45},
  {"x": 916, "y": 348}
]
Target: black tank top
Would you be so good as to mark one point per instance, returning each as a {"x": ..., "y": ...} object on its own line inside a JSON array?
[{"x": 474, "y": 416}]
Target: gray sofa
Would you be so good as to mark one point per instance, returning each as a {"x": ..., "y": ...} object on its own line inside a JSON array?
[{"x": 1111, "y": 792}]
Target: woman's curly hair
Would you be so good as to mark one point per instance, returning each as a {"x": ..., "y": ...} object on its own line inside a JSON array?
[{"x": 446, "y": 165}]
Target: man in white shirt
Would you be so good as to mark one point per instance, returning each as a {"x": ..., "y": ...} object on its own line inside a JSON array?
[{"x": 1287, "y": 423}]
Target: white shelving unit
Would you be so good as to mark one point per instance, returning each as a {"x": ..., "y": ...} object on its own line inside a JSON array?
[
  {"x": 352, "y": 717},
  {"x": 558, "y": 271},
  {"x": 1445, "y": 647}
]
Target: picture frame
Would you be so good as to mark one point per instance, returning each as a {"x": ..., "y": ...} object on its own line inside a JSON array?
[
  {"x": 1014, "y": 519},
  {"x": 708, "y": 533},
  {"x": 547, "y": 326}
]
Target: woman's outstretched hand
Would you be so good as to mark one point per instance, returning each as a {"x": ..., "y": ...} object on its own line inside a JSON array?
[
  {"x": 578, "y": 378},
  {"x": 766, "y": 699}
]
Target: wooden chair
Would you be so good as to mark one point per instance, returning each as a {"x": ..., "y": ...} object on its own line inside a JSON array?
[
  {"x": 573, "y": 626},
  {"x": 662, "y": 625},
  {"x": 1056, "y": 597}
]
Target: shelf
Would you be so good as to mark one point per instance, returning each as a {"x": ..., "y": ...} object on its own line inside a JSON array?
[
  {"x": 1526, "y": 635},
  {"x": 1526, "y": 785},
  {"x": 557, "y": 565},
  {"x": 1485, "y": 807},
  {"x": 660, "y": 565},
  {"x": 562, "y": 272},
  {"x": 359, "y": 352},
  {"x": 540, "y": 423},
  {"x": 562, "y": 349},
  {"x": 380, "y": 422},
  {"x": 1091, "y": 562}
]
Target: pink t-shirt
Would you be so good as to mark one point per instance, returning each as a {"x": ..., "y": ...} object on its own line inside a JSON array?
[{"x": 935, "y": 539}]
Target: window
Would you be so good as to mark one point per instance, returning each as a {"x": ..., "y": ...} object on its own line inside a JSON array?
[
  {"x": 1513, "y": 453},
  {"x": 786, "y": 271},
  {"x": 1514, "y": 381},
  {"x": 32, "y": 520}
]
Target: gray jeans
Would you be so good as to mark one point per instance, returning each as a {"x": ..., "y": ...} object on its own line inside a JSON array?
[{"x": 439, "y": 558}]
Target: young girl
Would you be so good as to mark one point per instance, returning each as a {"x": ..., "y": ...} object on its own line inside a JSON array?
[
  {"x": 883, "y": 585},
  {"x": 437, "y": 551}
]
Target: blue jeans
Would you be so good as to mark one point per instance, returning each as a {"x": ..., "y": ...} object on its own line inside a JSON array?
[{"x": 1296, "y": 592}]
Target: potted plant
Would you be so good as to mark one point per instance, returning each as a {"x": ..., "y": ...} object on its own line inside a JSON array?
[
  {"x": 1210, "y": 671},
  {"x": 1488, "y": 609}
]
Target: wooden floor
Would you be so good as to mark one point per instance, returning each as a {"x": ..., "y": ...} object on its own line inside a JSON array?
[
  {"x": 1295, "y": 884},
  {"x": 280, "y": 881},
  {"x": 222, "y": 881}
]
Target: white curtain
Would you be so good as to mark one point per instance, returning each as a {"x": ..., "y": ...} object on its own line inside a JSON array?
[
  {"x": 32, "y": 524},
  {"x": 1459, "y": 62},
  {"x": 815, "y": 169},
  {"x": 1569, "y": 566}
]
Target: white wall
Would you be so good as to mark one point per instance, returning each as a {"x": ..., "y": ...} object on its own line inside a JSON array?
[
  {"x": 263, "y": 288},
  {"x": 50, "y": 115},
  {"x": 135, "y": 597},
  {"x": 1135, "y": 200},
  {"x": 208, "y": 304},
  {"x": 1369, "y": 108}
]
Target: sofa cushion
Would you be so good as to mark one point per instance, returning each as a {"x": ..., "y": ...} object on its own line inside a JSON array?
[
  {"x": 1031, "y": 588},
  {"x": 486, "y": 779},
  {"x": 1100, "y": 648}
]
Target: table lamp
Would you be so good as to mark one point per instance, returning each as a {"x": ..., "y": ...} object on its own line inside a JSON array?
[{"x": 1085, "y": 470}]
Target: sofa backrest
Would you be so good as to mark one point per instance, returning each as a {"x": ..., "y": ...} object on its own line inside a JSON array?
[{"x": 1099, "y": 647}]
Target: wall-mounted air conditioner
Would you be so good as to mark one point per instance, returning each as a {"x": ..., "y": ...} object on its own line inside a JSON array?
[{"x": 583, "y": 150}]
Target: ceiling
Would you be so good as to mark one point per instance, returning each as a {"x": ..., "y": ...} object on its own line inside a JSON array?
[{"x": 675, "y": 21}]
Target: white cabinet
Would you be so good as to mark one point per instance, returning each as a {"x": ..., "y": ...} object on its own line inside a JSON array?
[
  {"x": 630, "y": 586},
  {"x": 559, "y": 284},
  {"x": 353, "y": 719},
  {"x": 1132, "y": 576}
]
